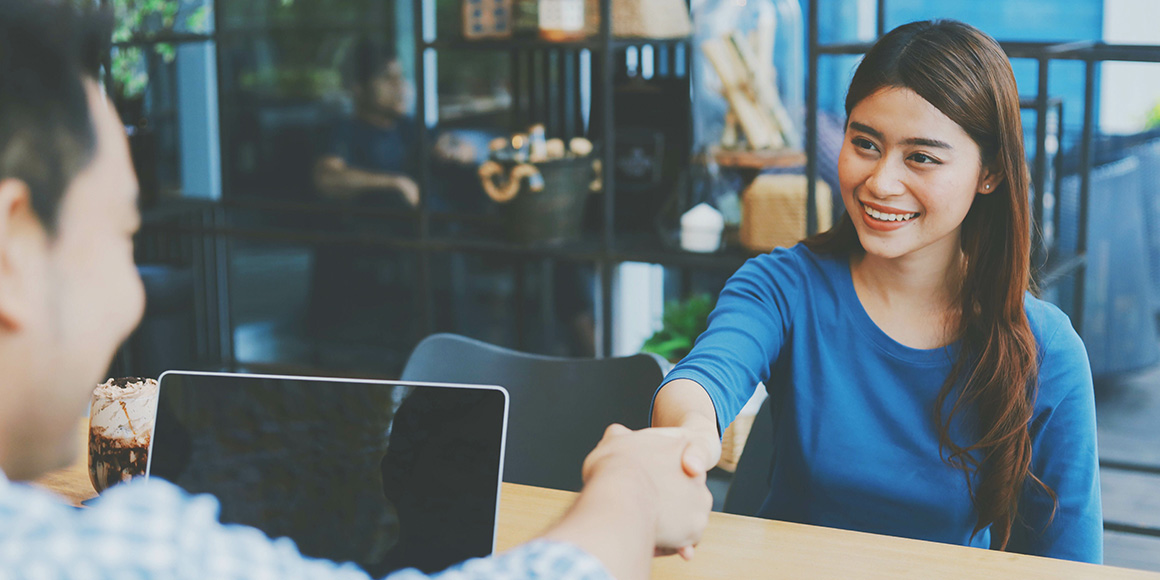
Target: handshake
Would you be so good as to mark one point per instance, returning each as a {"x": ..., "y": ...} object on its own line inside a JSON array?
[{"x": 644, "y": 495}]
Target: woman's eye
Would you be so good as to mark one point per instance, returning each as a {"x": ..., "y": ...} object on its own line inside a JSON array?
[
  {"x": 863, "y": 143},
  {"x": 923, "y": 158}
]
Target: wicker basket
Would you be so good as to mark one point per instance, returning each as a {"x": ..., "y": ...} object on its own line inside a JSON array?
[
  {"x": 773, "y": 211},
  {"x": 641, "y": 18},
  {"x": 733, "y": 441}
]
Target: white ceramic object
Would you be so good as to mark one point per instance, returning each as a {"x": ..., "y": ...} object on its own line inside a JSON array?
[{"x": 701, "y": 229}]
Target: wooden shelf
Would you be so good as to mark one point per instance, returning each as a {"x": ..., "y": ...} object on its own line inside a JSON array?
[{"x": 764, "y": 159}]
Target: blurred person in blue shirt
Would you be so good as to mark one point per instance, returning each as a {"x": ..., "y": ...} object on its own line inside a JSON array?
[{"x": 375, "y": 150}]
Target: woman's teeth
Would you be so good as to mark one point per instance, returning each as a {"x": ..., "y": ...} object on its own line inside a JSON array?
[{"x": 888, "y": 217}]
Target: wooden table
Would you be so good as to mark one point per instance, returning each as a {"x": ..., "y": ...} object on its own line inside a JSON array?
[{"x": 736, "y": 547}]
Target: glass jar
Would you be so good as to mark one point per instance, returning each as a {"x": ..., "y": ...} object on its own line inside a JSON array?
[
  {"x": 765, "y": 38},
  {"x": 561, "y": 20},
  {"x": 755, "y": 121}
]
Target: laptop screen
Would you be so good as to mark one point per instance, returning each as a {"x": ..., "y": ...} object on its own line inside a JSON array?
[{"x": 387, "y": 475}]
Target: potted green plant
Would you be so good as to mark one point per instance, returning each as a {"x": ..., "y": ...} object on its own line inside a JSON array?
[{"x": 682, "y": 322}]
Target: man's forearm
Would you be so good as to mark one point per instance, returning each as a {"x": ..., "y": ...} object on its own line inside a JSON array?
[
  {"x": 615, "y": 522},
  {"x": 346, "y": 181}
]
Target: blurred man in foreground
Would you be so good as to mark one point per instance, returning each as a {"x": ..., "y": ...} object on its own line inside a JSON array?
[{"x": 70, "y": 293}]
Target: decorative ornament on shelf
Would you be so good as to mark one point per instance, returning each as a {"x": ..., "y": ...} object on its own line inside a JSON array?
[{"x": 487, "y": 19}]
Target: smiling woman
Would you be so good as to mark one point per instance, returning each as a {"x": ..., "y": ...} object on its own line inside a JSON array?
[
  {"x": 955, "y": 154},
  {"x": 921, "y": 171},
  {"x": 919, "y": 389}
]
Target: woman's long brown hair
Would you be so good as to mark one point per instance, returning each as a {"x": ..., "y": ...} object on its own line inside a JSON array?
[{"x": 964, "y": 73}]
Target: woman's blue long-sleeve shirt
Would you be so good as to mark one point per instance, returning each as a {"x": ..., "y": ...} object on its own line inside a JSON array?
[{"x": 855, "y": 438}]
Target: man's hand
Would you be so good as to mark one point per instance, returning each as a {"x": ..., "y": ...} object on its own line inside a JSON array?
[
  {"x": 705, "y": 442},
  {"x": 664, "y": 466},
  {"x": 406, "y": 187},
  {"x": 337, "y": 180}
]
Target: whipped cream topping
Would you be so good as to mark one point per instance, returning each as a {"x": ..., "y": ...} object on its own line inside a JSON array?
[
  {"x": 125, "y": 409},
  {"x": 126, "y": 388}
]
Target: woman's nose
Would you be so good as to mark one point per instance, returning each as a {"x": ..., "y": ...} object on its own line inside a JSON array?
[{"x": 886, "y": 179}]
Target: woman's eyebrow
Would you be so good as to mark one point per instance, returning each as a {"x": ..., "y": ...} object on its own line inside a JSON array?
[{"x": 921, "y": 141}]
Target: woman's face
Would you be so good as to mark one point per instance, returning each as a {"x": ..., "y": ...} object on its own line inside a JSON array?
[{"x": 908, "y": 175}]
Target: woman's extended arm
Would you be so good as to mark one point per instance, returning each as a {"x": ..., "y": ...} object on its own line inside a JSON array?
[
  {"x": 747, "y": 330},
  {"x": 684, "y": 403}
]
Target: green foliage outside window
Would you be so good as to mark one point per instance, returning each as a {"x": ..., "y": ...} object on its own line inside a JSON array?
[
  {"x": 136, "y": 19},
  {"x": 1153, "y": 121},
  {"x": 683, "y": 322}
]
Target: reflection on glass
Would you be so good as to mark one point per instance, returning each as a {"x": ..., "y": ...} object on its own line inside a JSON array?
[
  {"x": 332, "y": 306},
  {"x": 145, "y": 18},
  {"x": 478, "y": 294},
  {"x": 286, "y": 87},
  {"x": 144, "y": 90},
  {"x": 334, "y": 14}
]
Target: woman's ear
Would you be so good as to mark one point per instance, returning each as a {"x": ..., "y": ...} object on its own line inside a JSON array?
[{"x": 989, "y": 180}]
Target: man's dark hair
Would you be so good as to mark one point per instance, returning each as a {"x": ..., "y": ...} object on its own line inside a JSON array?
[
  {"x": 46, "y": 132},
  {"x": 369, "y": 57}
]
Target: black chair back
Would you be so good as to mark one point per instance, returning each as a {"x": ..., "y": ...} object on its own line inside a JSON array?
[{"x": 559, "y": 407}]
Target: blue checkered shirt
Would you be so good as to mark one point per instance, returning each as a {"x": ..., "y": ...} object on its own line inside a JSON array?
[{"x": 155, "y": 530}]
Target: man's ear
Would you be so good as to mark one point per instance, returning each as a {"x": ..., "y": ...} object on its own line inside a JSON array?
[
  {"x": 20, "y": 229},
  {"x": 989, "y": 180}
]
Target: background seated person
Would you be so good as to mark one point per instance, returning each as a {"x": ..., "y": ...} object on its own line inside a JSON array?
[{"x": 375, "y": 150}]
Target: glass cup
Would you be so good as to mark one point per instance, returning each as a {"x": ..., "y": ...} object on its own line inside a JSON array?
[{"x": 121, "y": 419}]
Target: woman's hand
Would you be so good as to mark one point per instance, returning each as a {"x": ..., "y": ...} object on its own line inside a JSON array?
[{"x": 684, "y": 404}]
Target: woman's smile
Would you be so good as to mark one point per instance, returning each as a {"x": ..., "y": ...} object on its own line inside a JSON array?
[{"x": 885, "y": 219}]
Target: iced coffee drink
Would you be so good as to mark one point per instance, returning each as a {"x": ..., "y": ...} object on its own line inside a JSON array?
[{"x": 120, "y": 428}]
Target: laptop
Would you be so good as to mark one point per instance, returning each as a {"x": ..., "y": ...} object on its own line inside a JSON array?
[{"x": 385, "y": 474}]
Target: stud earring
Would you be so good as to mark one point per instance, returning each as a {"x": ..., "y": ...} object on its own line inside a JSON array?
[{"x": 988, "y": 186}]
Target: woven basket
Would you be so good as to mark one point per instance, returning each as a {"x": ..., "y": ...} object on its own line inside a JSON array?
[
  {"x": 773, "y": 211},
  {"x": 641, "y": 18}
]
